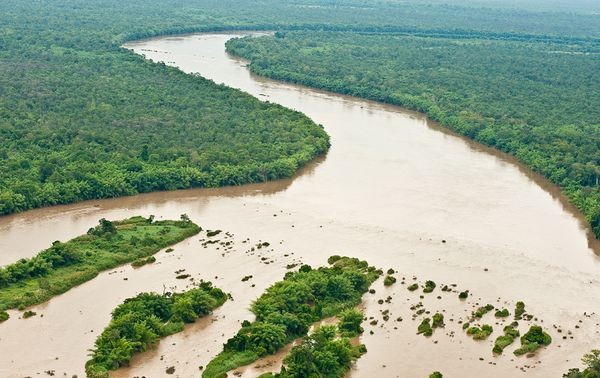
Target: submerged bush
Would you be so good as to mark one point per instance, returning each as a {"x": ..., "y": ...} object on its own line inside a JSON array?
[
  {"x": 438, "y": 320},
  {"x": 502, "y": 313},
  {"x": 436, "y": 374},
  {"x": 463, "y": 294},
  {"x": 519, "y": 310},
  {"x": 425, "y": 328},
  {"x": 413, "y": 287},
  {"x": 4, "y": 316},
  {"x": 510, "y": 334},
  {"x": 429, "y": 287},
  {"x": 534, "y": 339},
  {"x": 389, "y": 280},
  {"x": 480, "y": 333}
]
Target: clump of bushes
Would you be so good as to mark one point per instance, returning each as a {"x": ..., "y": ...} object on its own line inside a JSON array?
[
  {"x": 519, "y": 310},
  {"x": 425, "y": 328},
  {"x": 288, "y": 308},
  {"x": 478, "y": 314},
  {"x": 143, "y": 261},
  {"x": 429, "y": 287},
  {"x": 534, "y": 339},
  {"x": 389, "y": 280},
  {"x": 322, "y": 354},
  {"x": 480, "y": 333},
  {"x": 510, "y": 334},
  {"x": 438, "y": 320},
  {"x": 592, "y": 362},
  {"x": 502, "y": 313},
  {"x": 29, "y": 314},
  {"x": 349, "y": 324},
  {"x": 413, "y": 287},
  {"x": 141, "y": 321},
  {"x": 463, "y": 294},
  {"x": 4, "y": 316},
  {"x": 436, "y": 374}
]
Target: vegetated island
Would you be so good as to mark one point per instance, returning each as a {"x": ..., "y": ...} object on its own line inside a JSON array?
[
  {"x": 141, "y": 321},
  {"x": 288, "y": 308},
  {"x": 537, "y": 101},
  {"x": 66, "y": 265}
]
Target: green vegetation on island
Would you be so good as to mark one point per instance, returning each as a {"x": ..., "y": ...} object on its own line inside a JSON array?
[
  {"x": 288, "y": 308},
  {"x": 141, "y": 321},
  {"x": 534, "y": 339},
  {"x": 66, "y": 265}
]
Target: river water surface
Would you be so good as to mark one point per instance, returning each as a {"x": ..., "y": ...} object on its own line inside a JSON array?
[{"x": 394, "y": 189}]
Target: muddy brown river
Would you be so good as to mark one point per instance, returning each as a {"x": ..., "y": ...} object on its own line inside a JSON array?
[{"x": 394, "y": 189}]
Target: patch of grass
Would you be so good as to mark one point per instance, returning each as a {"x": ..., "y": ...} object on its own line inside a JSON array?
[{"x": 66, "y": 265}]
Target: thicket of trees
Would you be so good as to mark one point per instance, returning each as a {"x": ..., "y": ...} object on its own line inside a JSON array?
[
  {"x": 288, "y": 308},
  {"x": 66, "y": 265},
  {"x": 537, "y": 101},
  {"x": 139, "y": 323},
  {"x": 324, "y": 353},
  {"x": 592, "y": 369}
]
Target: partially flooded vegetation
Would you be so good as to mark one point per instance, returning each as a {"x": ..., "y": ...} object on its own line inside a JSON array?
[{"x": 66, "y": 265}]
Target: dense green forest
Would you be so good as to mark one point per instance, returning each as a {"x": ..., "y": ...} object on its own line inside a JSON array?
[
  {"x": 140, "y": 322},
  {"x": 537, "y": 101},
  {"x": 288, "y": 308},
  {"x": 82, "y": 118},
  {"x": 66, "y": 265}
]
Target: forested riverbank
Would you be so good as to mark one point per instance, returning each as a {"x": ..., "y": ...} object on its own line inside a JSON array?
[
  {"x": 536, "y": 101},
  {"x": 80, "y": 118}
]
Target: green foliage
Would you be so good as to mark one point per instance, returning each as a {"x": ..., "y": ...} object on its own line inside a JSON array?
[
  {"x": 478, "y": 314},
  {"x": 502, "y": 313},
  {"x": 321, "y": 354},
  {"x": 510, "y": 334},
  {"x": 534, "y": 339},
  {"x": 389, "y": 280},
  {"x": 463, "y": 294},
  {"x": 350, "y": 320},
  {"x": 287, "y": 309},
  {"x": 480, "y": 333},
  {"x": 144, "y": 261},
  {"x": 519, "y": 310},
  {"x": 141, "y": 321},
  {"x": 4, "y": 316},
  {"x": 592, "y": 370},
  {"x": 436, "y": 374},
  {"x": 429, "y": 287},
  {"x": 66, "y": 265},
  {"x": 425, "y": 328},
  {"x": 413, "y": 287},
  {"x": 536, "y": 100},
  {"x": 437, "y": 320}
]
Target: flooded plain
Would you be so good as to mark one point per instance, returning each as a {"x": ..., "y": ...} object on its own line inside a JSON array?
[{"x": 394, "y": 189}]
